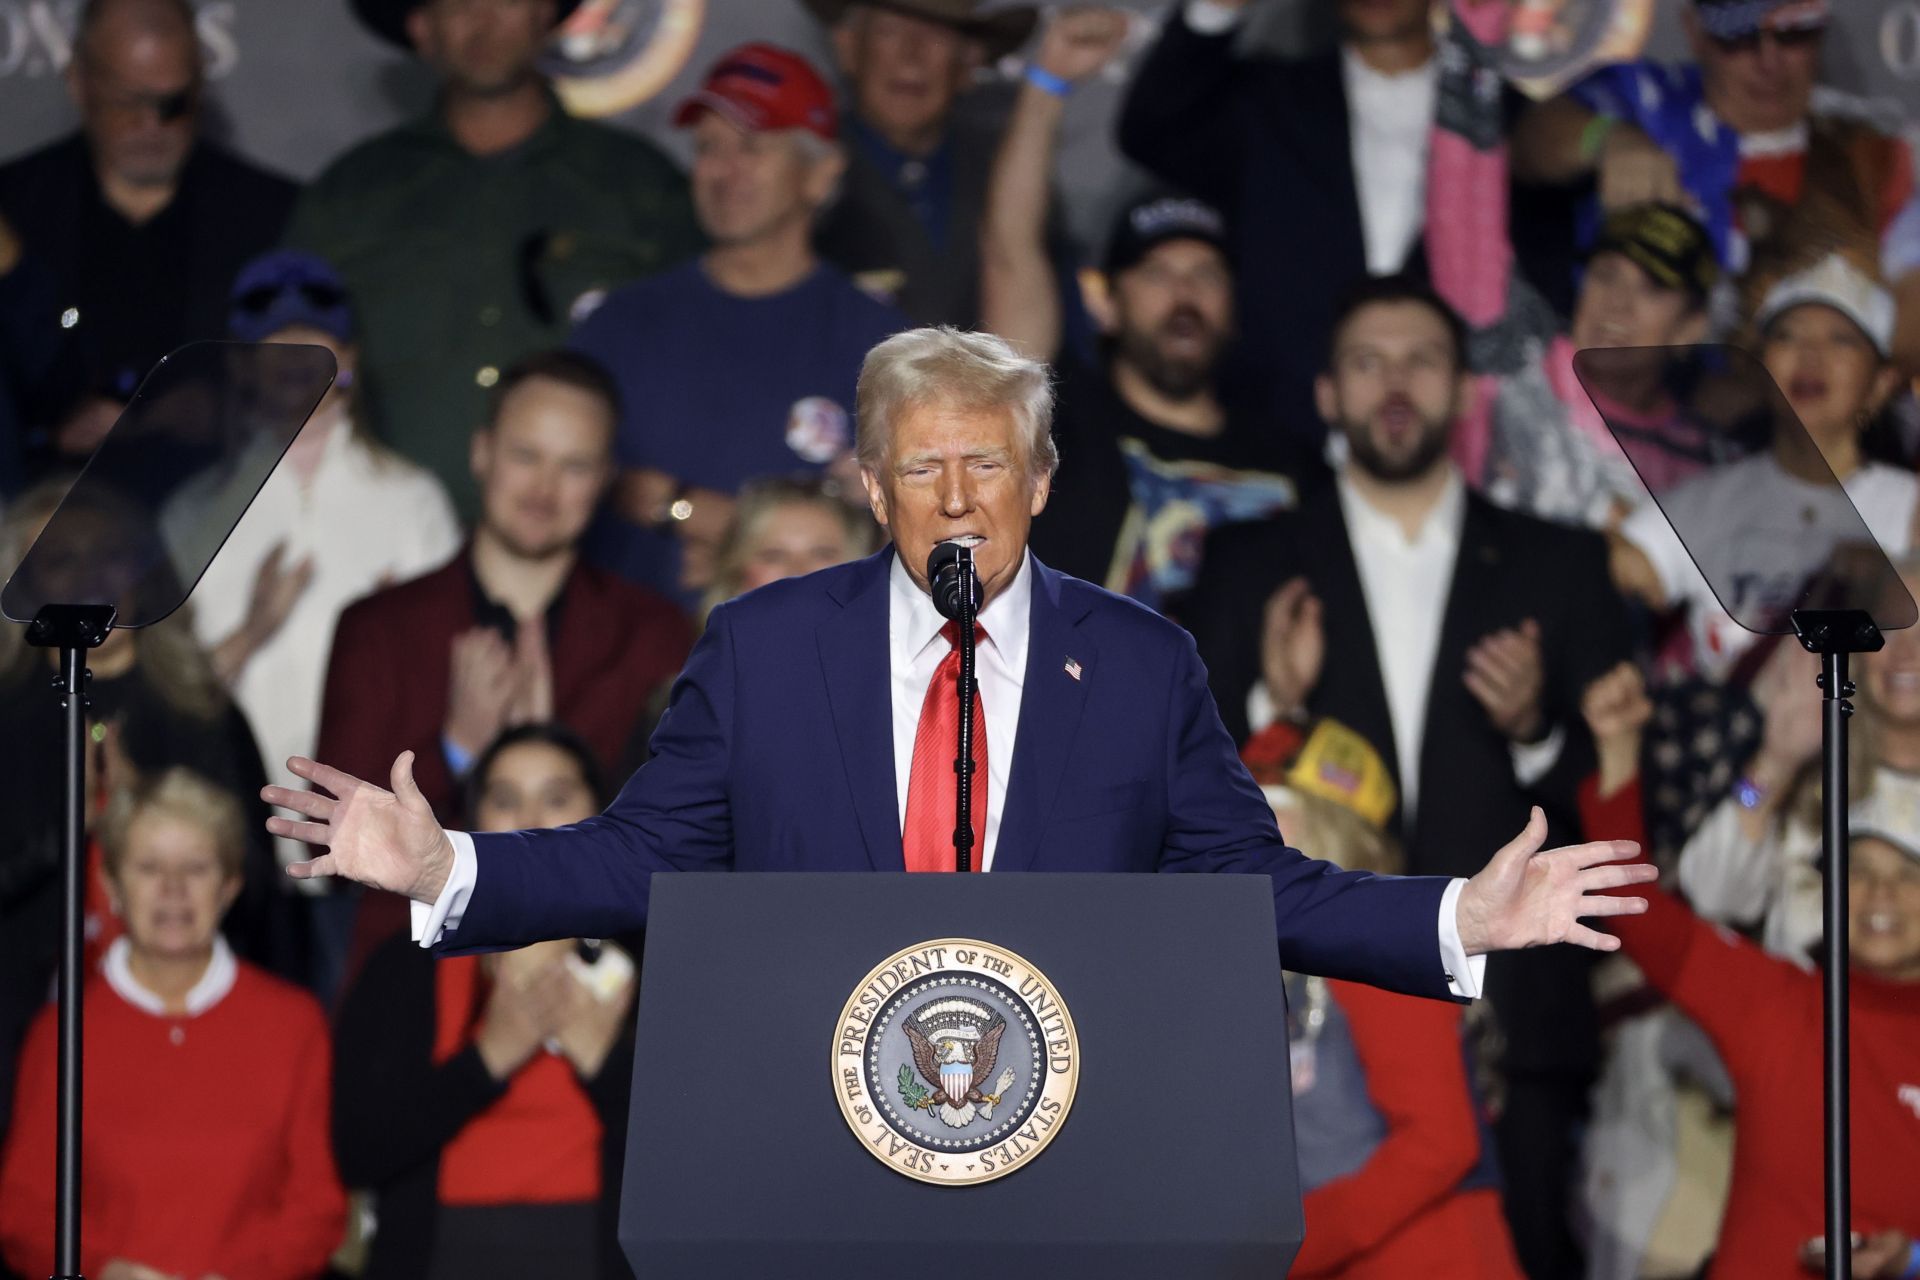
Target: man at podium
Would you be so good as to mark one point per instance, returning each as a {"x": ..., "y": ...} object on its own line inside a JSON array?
[{"x": 813, "y": 730}]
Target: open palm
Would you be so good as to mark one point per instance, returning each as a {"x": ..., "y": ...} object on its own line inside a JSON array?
[
  {"x": 383, "y": 839},
  {"x": 1527, "y": 897}
]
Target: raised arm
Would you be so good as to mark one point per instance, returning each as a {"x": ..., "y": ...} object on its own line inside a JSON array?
[
  {"x": 1723, "y": 982},
  {"x": 1566, "y": 139},
  {"x": 1018, "y": 294},
  {"x": 1182, "y": 115}
]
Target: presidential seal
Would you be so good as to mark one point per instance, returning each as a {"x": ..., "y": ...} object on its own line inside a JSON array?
[{"x": 955, "y": 1062}]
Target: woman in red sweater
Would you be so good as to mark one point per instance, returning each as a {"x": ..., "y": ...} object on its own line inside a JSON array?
[
  {"x": 1398, "y": 1173},
  {"x": 205, "y": 1148},
  {"x": 1764, "y": 1016}
]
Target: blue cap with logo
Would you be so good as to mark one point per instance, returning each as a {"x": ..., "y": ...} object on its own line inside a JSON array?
[{"x": 287, "y": 287}]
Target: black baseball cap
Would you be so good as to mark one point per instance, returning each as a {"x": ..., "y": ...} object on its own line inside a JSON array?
[
  {"x": 1666, "y": 242},
  {"x": 1146, "y": 224}
]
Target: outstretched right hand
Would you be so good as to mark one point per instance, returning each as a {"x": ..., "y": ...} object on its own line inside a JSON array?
[{"x": 383, "y": 839}]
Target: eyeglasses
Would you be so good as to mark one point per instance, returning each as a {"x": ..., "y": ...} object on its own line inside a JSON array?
[
  {"x": 1788, "y": 38},
  {"x": 169, "y": 107},
  {"x": 318, "y": 295}
]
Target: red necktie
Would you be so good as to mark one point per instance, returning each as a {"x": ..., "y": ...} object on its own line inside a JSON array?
[{"x": 932, "y": 785}]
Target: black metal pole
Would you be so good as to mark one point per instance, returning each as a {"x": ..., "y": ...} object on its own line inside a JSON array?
[
  {"x": 73, "y": 827},
  {"x": 1833, "y": 746},
  {"x": 963, "y": 762}
]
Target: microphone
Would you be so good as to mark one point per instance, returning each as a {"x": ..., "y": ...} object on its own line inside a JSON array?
[{"x": 950, "y": 564}]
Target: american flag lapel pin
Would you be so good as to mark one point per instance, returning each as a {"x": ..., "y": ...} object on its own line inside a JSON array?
[{"x": 1073, "y": 667}]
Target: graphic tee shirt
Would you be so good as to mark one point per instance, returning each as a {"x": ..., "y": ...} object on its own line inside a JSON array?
[
  {"x": 1763, "y": 533},
  {"x": 1133, "y": 500},
  {"x": 717, "y": 389}
]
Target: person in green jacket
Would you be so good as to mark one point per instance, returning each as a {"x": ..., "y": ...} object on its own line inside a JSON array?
[{"x": 482, "y": 230}]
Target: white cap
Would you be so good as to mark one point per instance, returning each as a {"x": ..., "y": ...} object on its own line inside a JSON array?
[
  {"x": 1890, "y": 812},
  {"x": 1836, "y": 282}
]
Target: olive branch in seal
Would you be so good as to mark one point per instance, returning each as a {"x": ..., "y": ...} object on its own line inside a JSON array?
[{"x": 912, "y": 1092}]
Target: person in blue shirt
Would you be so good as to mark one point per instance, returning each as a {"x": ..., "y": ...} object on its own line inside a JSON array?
[
  {"x": 922, "y": 128},
  {"x": 743, "y": 362}
]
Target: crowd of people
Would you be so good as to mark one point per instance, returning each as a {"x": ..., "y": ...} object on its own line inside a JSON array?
[{"x": 1319, "y": 399}]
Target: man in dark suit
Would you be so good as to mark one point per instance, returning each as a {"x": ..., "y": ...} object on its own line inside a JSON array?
[
  {"x": 1320, "y": 165},
  {"x": 140, "y": 219},
  {"x": 811, "y": 730},
  {"x": 515, "y": 628},
  {"x": 1455, "y": 636}
]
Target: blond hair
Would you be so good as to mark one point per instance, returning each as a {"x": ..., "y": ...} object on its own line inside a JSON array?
[
  {"x": 957, "y": 370},
  {"x": 183, "y": 795},
  {"x": 760, "y": 498},
  {"x": 1325, "y": 828}
]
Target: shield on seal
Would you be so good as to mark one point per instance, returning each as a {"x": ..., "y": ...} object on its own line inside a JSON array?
[{"x": 957, "y": 1077}]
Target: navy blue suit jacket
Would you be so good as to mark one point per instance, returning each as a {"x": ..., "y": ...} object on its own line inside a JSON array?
[{"x": 776, "y": 754}]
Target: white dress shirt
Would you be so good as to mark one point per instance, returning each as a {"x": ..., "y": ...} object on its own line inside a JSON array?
[
  {"x": 1406, "y": 582},
  {"x": 1390, "y": 120},
  {"x": 914, "y": 651}
]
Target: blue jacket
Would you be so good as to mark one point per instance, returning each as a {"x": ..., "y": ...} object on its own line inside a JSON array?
[{"x": 776, "y": 755}]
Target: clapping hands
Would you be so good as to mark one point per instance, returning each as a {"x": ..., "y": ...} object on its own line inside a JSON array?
[
  {"x": 1507, "y": 674},
  {"x": 494, "y": 685},
  {"x": 537, "y": 1000}
]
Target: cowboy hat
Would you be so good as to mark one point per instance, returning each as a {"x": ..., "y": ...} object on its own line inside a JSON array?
[
  {"x": 388, "y": 18},
  {"x": 1000, "y": 28}
]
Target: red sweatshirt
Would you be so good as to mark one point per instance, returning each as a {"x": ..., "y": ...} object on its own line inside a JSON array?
[
  {"x": 1403, "y": 1212},
  {"x": 1764, "y": 1016},
  {"x": 205, "y": 1147}
]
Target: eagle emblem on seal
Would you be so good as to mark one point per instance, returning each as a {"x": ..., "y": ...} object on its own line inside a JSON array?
[{"x": 955, "y": 1043}]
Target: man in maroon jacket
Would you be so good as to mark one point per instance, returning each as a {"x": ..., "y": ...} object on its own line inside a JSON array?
[{"x": 515, "y": 628}]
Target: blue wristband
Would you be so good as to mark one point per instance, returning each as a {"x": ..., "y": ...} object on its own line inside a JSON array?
[
  {"x": 1047, "y": 82},
  {"x": 1913, "y": 1263},
  {"x": 458, "y": 760}
]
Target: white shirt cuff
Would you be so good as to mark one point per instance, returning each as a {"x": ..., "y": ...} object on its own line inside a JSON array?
[
  {"x": 432, "y": 923},
  {"x": 1466, "y": 975},
  {"x": 1211, "y": 18},
  {"x": 1533, "y": 761}
]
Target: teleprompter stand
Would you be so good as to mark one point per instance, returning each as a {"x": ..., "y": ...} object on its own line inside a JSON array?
[
  {"x": 132, "y": 536},
  {"x": 72, "y": 629},
  {"x": 1781, "y": 548},
  {"x": 1835, "y": 634}
]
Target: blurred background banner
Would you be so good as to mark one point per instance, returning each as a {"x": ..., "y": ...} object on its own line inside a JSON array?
[{"x": 631, "y": 60}]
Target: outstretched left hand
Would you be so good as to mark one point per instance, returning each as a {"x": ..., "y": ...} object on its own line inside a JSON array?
[{"x": 1529, "y": 898}]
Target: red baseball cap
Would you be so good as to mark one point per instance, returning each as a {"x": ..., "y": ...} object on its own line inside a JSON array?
[{"x": 761, "y": 88}]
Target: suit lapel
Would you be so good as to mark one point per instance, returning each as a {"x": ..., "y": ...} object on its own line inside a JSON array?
[
  {"x": 854, "y": 659},
  {"x": 1475, "y": 587},
  {"x": 1325, "y": 139},
  {"x": 1353, "y": 690},
  {"x": 1051, "y": 704}
]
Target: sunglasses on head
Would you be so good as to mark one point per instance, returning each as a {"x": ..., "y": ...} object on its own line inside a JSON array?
[
  {"x": 319, "y": 296},
  {"x": 1785, "y": 37}
]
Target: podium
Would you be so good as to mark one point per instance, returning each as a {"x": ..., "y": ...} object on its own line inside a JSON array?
[{"x": 782, "y": 1124}]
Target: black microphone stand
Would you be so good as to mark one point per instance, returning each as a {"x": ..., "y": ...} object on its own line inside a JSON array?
[
  {"x": 72, "y": 629},
  {"x": 1834, "y": 634},
  {"x": 963, "y": 761}
]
